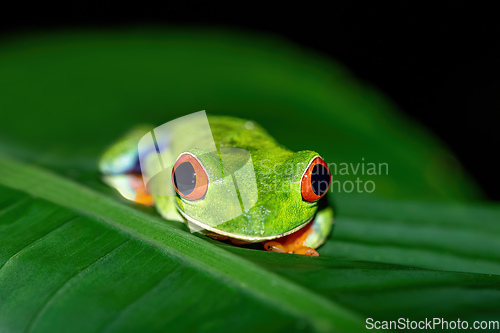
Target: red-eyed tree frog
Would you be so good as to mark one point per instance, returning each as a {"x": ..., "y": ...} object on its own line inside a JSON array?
[{"x": 291, "y": 213}]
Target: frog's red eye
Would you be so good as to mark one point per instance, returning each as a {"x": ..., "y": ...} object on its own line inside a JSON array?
[
  {"x": 315, "y": 180},
  {"x": 189, "y": 177}
]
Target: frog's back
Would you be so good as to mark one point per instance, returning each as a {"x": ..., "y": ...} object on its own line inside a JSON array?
[{"x": 231, "y": 132}]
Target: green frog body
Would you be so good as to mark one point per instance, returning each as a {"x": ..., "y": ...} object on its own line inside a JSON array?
[{"x": 278, "y": 198}]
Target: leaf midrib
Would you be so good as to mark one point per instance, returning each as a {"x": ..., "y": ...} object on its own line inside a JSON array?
[{"x": 323, "y": 314}]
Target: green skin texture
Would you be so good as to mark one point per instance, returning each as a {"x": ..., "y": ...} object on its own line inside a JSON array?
[{"x": 279, "y": 209}]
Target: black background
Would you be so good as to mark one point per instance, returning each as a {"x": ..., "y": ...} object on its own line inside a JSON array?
[{"x": 438, "y": 62}]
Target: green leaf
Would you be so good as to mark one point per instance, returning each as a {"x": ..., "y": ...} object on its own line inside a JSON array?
[
  {"x": 110, "y": 246},
  {"x": 71, "y": 255},
  {"x": 456, "y": 237},
  {"x": 76, "y": 256}
]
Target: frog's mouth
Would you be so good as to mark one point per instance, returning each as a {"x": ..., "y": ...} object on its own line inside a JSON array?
[{"x": 200, "y": 226}]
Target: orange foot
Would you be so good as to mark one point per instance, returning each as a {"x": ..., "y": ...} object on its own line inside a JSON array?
[{"x": 293, "y": 243}]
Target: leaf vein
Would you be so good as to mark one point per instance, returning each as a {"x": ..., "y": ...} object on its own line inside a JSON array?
[
  {"x": 30, "y": 245},
  {"x": 117, "y": 318},
  {"x": 61, "y": 288}
]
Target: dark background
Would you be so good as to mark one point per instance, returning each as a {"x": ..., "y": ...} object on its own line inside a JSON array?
[{"x": 439, "y": 63}]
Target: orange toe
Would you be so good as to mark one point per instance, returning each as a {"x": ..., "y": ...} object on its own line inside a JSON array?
[
  {"x": 307, "y": 251},
  {"x": 274, "y": 247}
]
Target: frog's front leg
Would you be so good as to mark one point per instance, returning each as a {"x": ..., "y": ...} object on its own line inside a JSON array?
[{"x": 307, "y": 239}]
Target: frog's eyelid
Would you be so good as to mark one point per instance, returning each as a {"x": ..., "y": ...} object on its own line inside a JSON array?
[{"x": 309, "y": 164}]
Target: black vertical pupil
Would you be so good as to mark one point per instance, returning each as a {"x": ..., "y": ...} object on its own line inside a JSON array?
[
  {"x": 185, "y": 178},
  {"x": 320, "y": 179}
]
